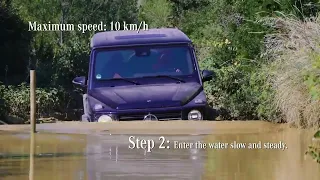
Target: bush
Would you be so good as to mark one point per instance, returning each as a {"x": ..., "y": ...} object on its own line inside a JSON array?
[
  {"x": 156, "y": 13},
  {"x": 314, "y": 149},
  {"x": 241, "y": 91},
  {"x": 229, "y": 41},
  {"x": 71, "y": 60},
  {"x": 17, "y": 101},
  {"x": 295, "y": 71},
  {"x": 3, "y": 110},
  {"x": 243, "y": 88}
]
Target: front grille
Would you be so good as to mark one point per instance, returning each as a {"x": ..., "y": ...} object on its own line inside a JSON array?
[{"x": 160, "y": 116}]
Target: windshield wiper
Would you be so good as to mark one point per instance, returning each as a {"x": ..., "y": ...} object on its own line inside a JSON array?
[
  {"x": 165, "y": 76},
  {"x": 123, "y": 79}
]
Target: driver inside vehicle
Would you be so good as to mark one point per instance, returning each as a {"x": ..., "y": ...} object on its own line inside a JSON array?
[
  {"x": 168, "y": 62},
  {"x": 118, "y": 67}
]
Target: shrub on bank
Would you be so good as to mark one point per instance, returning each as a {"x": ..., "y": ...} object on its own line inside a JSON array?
[
  {"x": 243, "y": 88},
  {"x": 236, "y": 90},
  {"x": 314, "y": 148},
  {"x": 17, "y": 101},
  {"x": 295, "y": 70},
  {"x": 3, "y": 110},
  {"x": 50, "y": 102}
]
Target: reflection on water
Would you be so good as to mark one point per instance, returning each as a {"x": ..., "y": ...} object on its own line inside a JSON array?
[
  {"x": 56, "y": 156},
  {"x": 96, "y": 157},
  {"x": 104, "y": 157},
  {"x": 110, "y": 158},
  {"x": 263, "y": 164}
]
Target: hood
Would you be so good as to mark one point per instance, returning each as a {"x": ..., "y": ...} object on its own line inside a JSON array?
[{"x": 146, "y": 96}]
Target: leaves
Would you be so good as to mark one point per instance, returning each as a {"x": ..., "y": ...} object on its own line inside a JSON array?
[
  {"x": 317, "y": 134},
  {"x": 227, "y": 35},
  {"x": 17, "y": 100},
  {"x": 57, "y": 64},
  {"x": 314, "y": 149},
  {"x": 156, "y": 13}
]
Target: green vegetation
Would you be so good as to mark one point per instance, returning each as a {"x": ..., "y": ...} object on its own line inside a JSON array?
[
  {"x": 57, "y": 56},
  {"x": 265, "y": 53},
  {"x": 295, "y": 70},
  {"x": 236, "y": 40},
  {"x": 314, "y": 149}
]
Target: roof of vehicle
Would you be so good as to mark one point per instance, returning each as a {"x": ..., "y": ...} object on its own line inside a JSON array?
[{"x": 150, "y": 36}]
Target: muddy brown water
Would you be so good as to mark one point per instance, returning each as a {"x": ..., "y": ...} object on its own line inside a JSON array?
[{"x": 75, "y": 151}]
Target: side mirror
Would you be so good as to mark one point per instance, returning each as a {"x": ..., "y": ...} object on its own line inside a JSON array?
[
  {"x": 80, "y": 81},
  {"x": 207, "y": 75}
]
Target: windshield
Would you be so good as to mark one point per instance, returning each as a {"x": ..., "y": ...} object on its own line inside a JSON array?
[{"x": 143, "y": 61}]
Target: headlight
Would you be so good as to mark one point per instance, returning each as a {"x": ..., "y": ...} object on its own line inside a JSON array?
[
  {"x": 106, "y": 118},
  {"x": 97, "y": 107},
  {"x": 194, "y": 115},
  {"x": 95, "y": 104}
]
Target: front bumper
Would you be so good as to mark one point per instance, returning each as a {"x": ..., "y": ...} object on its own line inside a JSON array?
[{"x": 172, "y": 113}]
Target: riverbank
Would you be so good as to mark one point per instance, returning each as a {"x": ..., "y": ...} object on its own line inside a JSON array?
[{"x": 152, "y": 127}]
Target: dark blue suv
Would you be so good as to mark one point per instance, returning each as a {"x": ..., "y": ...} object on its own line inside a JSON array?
[{"x": 150, "y": 75}]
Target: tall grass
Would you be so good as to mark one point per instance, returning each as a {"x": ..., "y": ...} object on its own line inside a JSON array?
[{"x": 294, "y": 50}]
